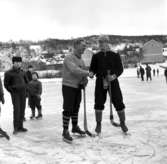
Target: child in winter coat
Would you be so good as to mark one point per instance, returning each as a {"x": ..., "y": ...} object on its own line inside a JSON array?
[{"x": 35, "y": 91}]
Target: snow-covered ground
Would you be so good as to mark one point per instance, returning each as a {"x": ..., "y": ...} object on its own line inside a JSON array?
[{"x": 146, "y": 111}]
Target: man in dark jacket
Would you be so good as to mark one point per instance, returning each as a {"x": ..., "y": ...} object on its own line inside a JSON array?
[
  {"x": 35, "y": 91},
  {"x": 107, "y": 67},
  {"x": 15, "y": 82}
]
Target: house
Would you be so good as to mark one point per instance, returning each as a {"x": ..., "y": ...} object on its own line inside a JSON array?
[
  {"x": 152, "y": 52},
  {"x": 164, "y": 53}
]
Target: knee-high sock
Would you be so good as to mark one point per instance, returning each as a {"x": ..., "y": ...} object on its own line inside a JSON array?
[{"x": 66, "y": 119}]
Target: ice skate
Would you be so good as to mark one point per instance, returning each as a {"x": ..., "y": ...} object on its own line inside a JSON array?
[
  {"x": 98, "y": 129},
  {"x": 121, "y": 115},
  {"x": 4, "y": 134},
  {"x": 22, "y": 130},
  {"x": 78, "y": 131},
  {"x": 39, "y": 116},
  {"x": 124, "y": 127},
  {"x": 33, "y": 114},
  {"x": 66, "y": 136},
  {"x": 32, "y": 117}
]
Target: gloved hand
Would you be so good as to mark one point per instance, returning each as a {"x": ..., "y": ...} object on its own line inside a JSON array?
[
  {"x": 83, "y": 83},
  {"x": 38, "y": 96},
  {"x": 111, "y": 77},
  {"x": 91, "y": 75}
]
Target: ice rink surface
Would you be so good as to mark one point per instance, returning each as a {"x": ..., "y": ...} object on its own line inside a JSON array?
[{"x": 146, "y": 111}]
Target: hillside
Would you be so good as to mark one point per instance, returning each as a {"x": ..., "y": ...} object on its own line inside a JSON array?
[{"x": 53, "y": 51}]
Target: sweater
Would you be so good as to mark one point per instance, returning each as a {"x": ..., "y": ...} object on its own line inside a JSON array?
[{"x": 73, "y": 71}]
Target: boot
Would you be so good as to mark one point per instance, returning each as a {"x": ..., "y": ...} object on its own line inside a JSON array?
[
  {"x": 98, "y": 115},
  {"x": 39, "y": 114},
  {"x": 22, "y": 129},
  {"x": 121, "y": 115},
  {"x": 75, "y": 127},
  {"x": 33, "y": 114},
  {"x": 66, "y": 136}
]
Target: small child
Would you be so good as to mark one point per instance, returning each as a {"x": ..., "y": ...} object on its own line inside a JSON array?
[{"x": 35, "y": 91}]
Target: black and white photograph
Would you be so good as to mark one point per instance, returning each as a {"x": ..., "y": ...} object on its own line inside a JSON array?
[{"x": 83, "y": 81}]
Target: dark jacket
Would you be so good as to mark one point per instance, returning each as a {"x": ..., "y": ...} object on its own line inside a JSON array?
[
  {"x": 148, "y": 70},
  {"x": 142, "y": 71},
  {"x": 101, "y": 63},
  {"x": 15, "y": 80},
  {"x": 35, "y": 88}
]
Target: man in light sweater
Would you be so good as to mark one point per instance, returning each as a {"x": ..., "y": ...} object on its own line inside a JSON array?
[{"x": 74, "y": 79}]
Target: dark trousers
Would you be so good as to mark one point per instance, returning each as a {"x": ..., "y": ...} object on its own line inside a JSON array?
[
  {"x": 71, "y": 105},
  {"x": 35, "y": 102},
  {"x": 71, "y": 100},
  {"x": 101, "y": 95},
  {"x": 19, "y": 101},
  {"x": 142, "y": 77},
  {"x": 148, "y": 77}
]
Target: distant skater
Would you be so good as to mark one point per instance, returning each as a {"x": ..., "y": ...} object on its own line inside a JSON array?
[
  {"x": 148, "y": 72},
  {"x": 165, "y": 74},
  {"x": 142, "y": 72},
  {"x": 157, "y": 72},
  {"x": 154, "y": 72},
  {"x": 138, "y": 72}
]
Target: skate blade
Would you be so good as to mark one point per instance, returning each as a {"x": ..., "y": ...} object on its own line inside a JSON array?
[
  {"x": 79, "y": 135},
  {"x": 92, "y": 135},
  {"x": 67, "y": 141},
  {"x": 126, "y": 133},
  {"x": 99, "y": 135},
  {"x": 32, "y": 119},
  {"x": 5, "y": 136},
  {"x": 40, "y": 118}
]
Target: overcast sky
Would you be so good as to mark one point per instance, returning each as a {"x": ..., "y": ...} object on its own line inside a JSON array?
[{"x": 41, "y": 19}]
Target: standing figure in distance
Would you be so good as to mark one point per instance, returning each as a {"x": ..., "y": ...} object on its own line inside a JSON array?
[
  {"x": 153, "y": 71},
  {"x": 165, "y": 74},
  {"x": 148, "y": 72},
  {"x": 142, "y": 72},
  {"x": 157, "y": 72},
  {"x": 138, "y": 72}
]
